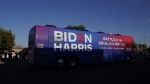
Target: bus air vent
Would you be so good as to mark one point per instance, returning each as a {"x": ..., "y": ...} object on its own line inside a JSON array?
[
  {"x": 118, "y": 34},
  {"x": 51, "y": 25},
  {"x": 100, "y": 32}
]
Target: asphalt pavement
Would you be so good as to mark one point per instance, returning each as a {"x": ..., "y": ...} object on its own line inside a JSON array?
[{"x": 20, "y": 72}]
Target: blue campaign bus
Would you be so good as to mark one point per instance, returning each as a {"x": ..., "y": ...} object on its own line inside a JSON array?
[{"x": 52, "y": 46}]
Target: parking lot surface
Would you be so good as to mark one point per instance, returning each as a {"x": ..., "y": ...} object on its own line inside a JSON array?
[{"x": 20, "y": 72}]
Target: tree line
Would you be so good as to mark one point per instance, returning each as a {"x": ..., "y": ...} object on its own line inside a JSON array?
[
  {"x": 7, "y": 39},
  {"x": 141, "y": 47}
]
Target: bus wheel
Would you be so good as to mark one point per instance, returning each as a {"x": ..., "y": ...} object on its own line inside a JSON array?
[
  {"x": 73, "y": 62},
  {"x": 60, "y": 62},
  {"x": 128, "y": 58}
]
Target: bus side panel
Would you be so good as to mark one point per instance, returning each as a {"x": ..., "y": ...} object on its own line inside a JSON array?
[
  {"x": 89, "y": 47},
  {"x": 112, "y": 46},
  {"x": 85, "y": 55}
]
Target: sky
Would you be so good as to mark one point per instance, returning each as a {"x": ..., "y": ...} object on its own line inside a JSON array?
[{"x": 126, "y": 17}]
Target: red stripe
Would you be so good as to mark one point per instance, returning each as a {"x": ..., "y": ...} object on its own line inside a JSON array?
[
  {"x": 80, "y": 35},
  {"x": 80, "y": 40}
]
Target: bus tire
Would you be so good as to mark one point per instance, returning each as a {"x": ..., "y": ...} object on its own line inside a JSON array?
[
  {"x": 60, "y": 62},
  {"x": 73, "y": 62},
  {"x": 128, "y": 58}
]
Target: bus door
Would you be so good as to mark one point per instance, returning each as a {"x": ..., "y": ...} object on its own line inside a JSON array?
[
  {"x": 97, "y": 56},
  {"x": 108, "y": 55},
  {"x": 113, "y": 55},
  {"x": 117, "y": 55}
]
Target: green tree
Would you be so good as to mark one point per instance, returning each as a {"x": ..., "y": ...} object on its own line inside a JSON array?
[
  {"x": 7, "y": 39},
  {"x": 144, "y": 47},
  {"x": 1, "y": 37},
  {"x": 79, "y": 27},
  {"x": 148, "y": 49},
  {"x": 135, "y": 46},
  {"x": 140, "y": 47}
]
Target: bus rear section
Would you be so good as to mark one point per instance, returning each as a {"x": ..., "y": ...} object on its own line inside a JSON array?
[
  {"x": 31, "y": 45},
  {"x": 39, "y": 47}
]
